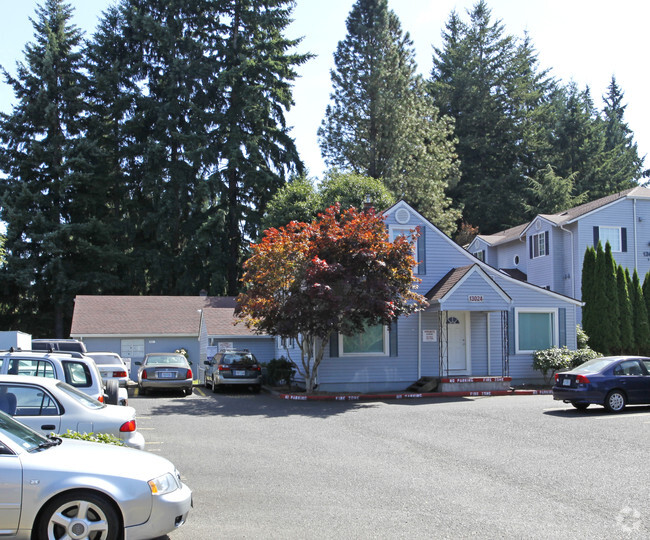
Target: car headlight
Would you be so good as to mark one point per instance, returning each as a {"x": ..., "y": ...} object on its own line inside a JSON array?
[{"x": 164, "y": 484}]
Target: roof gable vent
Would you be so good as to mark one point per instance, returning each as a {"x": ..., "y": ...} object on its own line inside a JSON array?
[{"x": 402, "y": 216}]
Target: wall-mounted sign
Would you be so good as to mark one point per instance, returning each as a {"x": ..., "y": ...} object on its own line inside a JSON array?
[
  {"x": 225, "y": 345},
  {"x": 475, "y": 298},
  {"x": 429, "y": 336}
]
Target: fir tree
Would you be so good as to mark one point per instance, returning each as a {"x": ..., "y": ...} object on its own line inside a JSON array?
[
  {"x": 381, "y": 123},
  {"x": 599, "y": 303},
  {"x": 49, "y": 238}
]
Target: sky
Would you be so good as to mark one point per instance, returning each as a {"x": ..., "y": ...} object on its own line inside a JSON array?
[{"x": 585, "y": 41}]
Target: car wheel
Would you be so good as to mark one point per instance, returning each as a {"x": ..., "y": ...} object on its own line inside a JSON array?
[
  {"x": 188, "y": 391},
  {"x": 79, "y": 515},
  {"x": 205, "y": 383},
  {"x": 143, "y": 391},
  {"x": 256, "y": 388},
  {"x": 615, "y": 401},
  {"x": 580, "y": 406},
  {"x": 214, "y": 386},
  {"x": 112, "y": 391}
]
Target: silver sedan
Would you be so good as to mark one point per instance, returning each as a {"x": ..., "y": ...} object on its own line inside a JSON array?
[
  {"x": 53, "y": 488},
  {"x": 165, "y": 371},
  {"x": 52, "y": 406}
]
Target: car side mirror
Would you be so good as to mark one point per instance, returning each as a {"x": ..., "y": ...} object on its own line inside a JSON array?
[{"x": 138, "y": 363}]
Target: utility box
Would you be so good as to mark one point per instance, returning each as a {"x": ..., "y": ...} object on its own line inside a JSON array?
[{"x": 15, "y": 339}]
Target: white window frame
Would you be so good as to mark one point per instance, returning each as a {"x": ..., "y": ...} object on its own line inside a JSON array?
[
  {"x": 386, "y": 351},
  {"x": 540, "y": 249},
  {"x": 403, "y": 230},
  {"x": 479, "y": 255},
  {"x": 556, "y": 327},
  {"x": 604, "y": 241}
]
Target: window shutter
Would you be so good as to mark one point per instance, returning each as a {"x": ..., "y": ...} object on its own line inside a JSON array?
[
  {"x": 623, "y": 239},
  {"x": 530, "y": 245},
  {"x": 483, "y": 255},
  {"x": 422, "y": 251},
  {"x": 334, "y": 345},
  {"x": 392, "y": 338},
  {"x": 548, "y": 246},
  {"x": 596, "y": 235},
  {"x": 562, "y": 326},
  {"x": 511, "y": 331}
]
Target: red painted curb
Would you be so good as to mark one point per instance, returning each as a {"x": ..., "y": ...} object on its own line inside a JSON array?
[{"x": 411, "y": 395}]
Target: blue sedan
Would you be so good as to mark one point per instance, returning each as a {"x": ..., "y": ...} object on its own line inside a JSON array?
[{"x": 610, "y": 381}]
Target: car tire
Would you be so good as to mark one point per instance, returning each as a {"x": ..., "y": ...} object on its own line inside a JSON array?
[
  {"x": 96, "y": 512},
  {"x": 580, "y": 406},
  {"x": 256, "y": 388},
  {"x": 188, "y": 391},
  {"x": 205, "y": 383},
  {"x": 112, "y": 392},
  {"x": 214, "y": 386},
  {"x": 142, "y": 391},
  {"x": 615, "y": 401}
]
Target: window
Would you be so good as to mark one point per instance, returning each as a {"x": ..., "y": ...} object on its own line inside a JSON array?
[
  {"x": 539, "y": 245},
  {"x": 77, "y": 374},
  {"x": 38, "y": 368},
  {"x": 374, "y": 341},
  {"x": 31, "y": 400},
  {"x": 515, "y": 260},
  {"x": 536, "y": 330},
  {"x": 611, "y": 235},
  {"x": 407, "y": 232},
  {"x": 480, "y": 255}
]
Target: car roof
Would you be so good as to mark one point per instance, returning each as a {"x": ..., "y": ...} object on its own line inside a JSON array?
[
  {"x": 18, "y": 353},
  {"x": 42, "y": 381}
]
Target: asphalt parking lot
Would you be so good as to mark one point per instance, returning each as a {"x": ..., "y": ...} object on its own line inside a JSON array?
[{"x": 489, "y": 467}]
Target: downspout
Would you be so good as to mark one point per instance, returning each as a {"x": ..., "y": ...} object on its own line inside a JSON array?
[
  {"x": 489, "y": 347},
  {"x": 419, "y": 345},
  {"x": 635, "y": 244},
  {"x": 573, "y": 277}
]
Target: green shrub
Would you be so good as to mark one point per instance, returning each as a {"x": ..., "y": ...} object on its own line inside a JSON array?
[
  {"x": 583, "y": 338},
  {"x": 92, "y": 437},
  {"x": 548, "y": 361},
  {"x": 280, "y": 371}
]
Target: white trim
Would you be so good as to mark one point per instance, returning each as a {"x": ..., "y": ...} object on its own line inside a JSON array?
[
  {"x": 489, "y": 270},
  {"x": 556, "y": 326},
  {"x": 131, "y": 336},
  {"x": 489, "y": 281},
  {"x": 620, "y": 237},
  {"x": 361, "y": 354},
  {"x": 411, "y": 230}
]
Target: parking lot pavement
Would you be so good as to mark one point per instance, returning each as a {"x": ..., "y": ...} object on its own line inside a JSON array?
[{"x": 491, "y": 467}]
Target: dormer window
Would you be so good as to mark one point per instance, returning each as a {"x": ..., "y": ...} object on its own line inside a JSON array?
[{"x": 538, "y": 245}]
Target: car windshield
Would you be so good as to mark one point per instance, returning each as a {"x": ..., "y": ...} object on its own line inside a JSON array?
[
  {"x": 20, "y": 434},
  {"x": 79, "y": 396},
  {"x": 593, "y": 366},
  {"x": 160, "y": 360},
  {"x": 106, "y": 359},
  {"x": 245, "y": 359}
]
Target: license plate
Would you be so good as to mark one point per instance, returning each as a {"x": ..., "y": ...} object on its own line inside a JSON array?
[
  {"x": 239, "y": 373},
  {"x": 566, "y": 382},
  {"x": 166, "y": 375}
]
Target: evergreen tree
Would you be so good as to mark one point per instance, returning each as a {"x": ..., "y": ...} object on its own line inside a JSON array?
[
  {"x": 625, "y": 313},
  {"x": 612, "y": 311},
  {"x": 639, "y": 317},
  {"x": 589, "y": 313},
  {"x": 298, "y": 200},
  {"x": 381, "y": 123},
  {"x": 551, "y": 193},
  {"x": 599, "y": 322},
  {"x": 254, "y": 151},
  {"x": 490, "y": 83},
  {"x": 48, "y": 240}
]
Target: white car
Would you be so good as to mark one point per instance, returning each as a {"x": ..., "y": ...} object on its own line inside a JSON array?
[
  {"x": 74, "y": 368},
  {"x": 54, "y": 488},
  {"x": 52, "y": 406},
  {"x": 112, "y": 368}
]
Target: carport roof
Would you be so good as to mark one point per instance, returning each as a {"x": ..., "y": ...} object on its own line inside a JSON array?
[{"x": 155, "y": 316}]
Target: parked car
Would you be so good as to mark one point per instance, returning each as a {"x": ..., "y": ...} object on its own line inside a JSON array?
[
  {"x": 66, "y": 345},
  {"x": 236, "y": 367},
  {"x": 113, "y": 369},
  {"x": 74, "y": 368},
  {"x": 54, "y": 488},
  {"x": 53, "y": 406},
  {"x": 165, "y": 371},
  {"x": 610, "y": 381}
]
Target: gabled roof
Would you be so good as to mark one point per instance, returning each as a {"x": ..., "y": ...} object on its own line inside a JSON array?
[
  {"x": 455, "y": 277},
  {"x": 566, "y": 216},
  {"x": 154, "y": 316}
]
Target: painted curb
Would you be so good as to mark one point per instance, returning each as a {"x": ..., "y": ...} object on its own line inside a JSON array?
[{"x": 411, "y": 395}]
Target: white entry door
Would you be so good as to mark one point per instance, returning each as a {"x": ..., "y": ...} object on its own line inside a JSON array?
[{"x": 457, "y": 343}]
